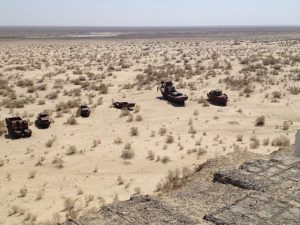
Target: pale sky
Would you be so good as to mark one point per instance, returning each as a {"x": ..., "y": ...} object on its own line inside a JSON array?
[{"x": 148, "y": 12}]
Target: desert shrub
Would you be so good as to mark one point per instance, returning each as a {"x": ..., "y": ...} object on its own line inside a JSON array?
[
  {"x": 281, "y": 141},
  {"x": 201, "y": 152},
  {"x": 171, "y": 182},
  {"x": 294, "y": 90},
  {"x": 276, "y": 94},
  {"x": 127, "y": 153},
  {"x": 254, "y": 143},
  {"x": 71, "y": 120},
  {"x": 120, "y": 180},
  {"x": 71, "y": 150},
  {"x": 25, "y": 83},
  {"x": 186, "y": 172},
  {"x": 165, "y": 159},
  {"x": 260, "y": 121},
  {"x": 41, "y": 102},
  {"x": 103, "y": 88},
  {"x": 58, "y": 162},
  {"x": 151, "y": 155},
  {"x": 285, "y": 125},
  {"x": 239, "y": 138},
  {"x": 266, "y": 142},
  {"x": 270, "y": 60},
  {"x": 50, "y": 142},
  {"x": 52, "y": 95},
  {"x": 170, "y": 139},
  {"x": 192, "y": 130},
  {"x": 124, "y": 113},
  {"x": 138, "y": 118},
  {"x": 134, "y": 131},
  {"x": 136, "y": 108},
  {"x": 118, "y": 140},
  {"x": 23, "y": 192},
  {"x": 2, "y": 128},
  {"x": 64, "y": 106},
  {"x": 69, "y": 204},
  {"x": 162, "y": 131},
  {"x": 32, "y": 174}
]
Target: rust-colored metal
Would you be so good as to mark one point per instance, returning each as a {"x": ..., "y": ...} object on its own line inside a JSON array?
[
  {"x": 43, "y": 120},
  {"x": 84, "y": 111},
  {"x": 17, "y": 127},
  {"x": 169, "y": 92},
  {"x": 123, "y": 105},
  {"x": 217, "y": 97}
]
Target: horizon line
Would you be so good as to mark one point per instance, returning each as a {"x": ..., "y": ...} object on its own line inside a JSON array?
[{"x": 155, "y": 26}]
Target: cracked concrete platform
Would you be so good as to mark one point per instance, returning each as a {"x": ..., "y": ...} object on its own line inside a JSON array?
[
  {"x": 277, "y": 196},
  {"x": 241, "y": 188}
]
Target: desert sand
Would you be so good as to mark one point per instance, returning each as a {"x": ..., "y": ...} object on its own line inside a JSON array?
[{"x": 78, "y": 165}]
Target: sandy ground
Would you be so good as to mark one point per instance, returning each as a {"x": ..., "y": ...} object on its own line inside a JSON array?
[{"x": 197, "y": 131}]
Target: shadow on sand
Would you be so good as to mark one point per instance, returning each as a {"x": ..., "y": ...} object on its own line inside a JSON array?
[
  {"x": 175, "y": 104},
  {"x": 216, "y": 104}
]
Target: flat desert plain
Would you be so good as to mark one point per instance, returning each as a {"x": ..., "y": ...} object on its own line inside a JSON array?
[{"x": 79, "y": 164}]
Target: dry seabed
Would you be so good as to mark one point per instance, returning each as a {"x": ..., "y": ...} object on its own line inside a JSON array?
[{"x": 79, "y": 164}]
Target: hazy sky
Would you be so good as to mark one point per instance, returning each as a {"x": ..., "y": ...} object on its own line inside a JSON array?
[{"x": 149, "y": 12}]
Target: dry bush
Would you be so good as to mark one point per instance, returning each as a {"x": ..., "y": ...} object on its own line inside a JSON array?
[
  {"x": 120, "y": 180},
  {"x": 71, "y": 150},
  {"x": 69, "y": 204},
  {"x": 124, "y": 113},
  {"x": 30, "y": 217},
  {"x": 39, "y": 195},
  {"x": 186, "y": 172},
  {"x": 165, "y": 159},
  {"x": 41, "y": 102},
  {"x": 137, "y": 191},
  {"x": 294, "y": 90},
  {"x": 266, "y": 142},
  {"x": 118, "y": 141},
  {"x": 239, "y": 138},
  {"x": 2, "y": 128},
  {"x": 170, "y": 139},
  {"x": 281, "y": 141},
  {"x": 130, "y": 118},
  {"x": 66, "y": 106},
  {"x": 40, "y": 161},
  {"x": 96, "y": 143},
  {"x": 192, "y": 130},
  {"x": 201, "y": 152},
  {"x": 23, "y": 192},
  {"x": 32, "y": 174},
  {"x": 52, "y": 95},
  {"x": 151, "y": 155},
  {"x": 136, "y": 109},
  {"x": 254, "y": 143},
  {"x": 128, "y": 152},
  {"x": 276, "y": 94},
  {"x": 134, "y": 131},
  {"x": 58, "y": 162},
  {"x": 162, "y": 131},
  {"x": 285, "y": 125},
  {"x": 260, "y": 121},
  {"x": 50, "y": 142},
  {"x": 171, "y": 182},
  {"x": 71, "y": 120},
  {"x": 14, "y": 210},
  {"x": 139, "y": 118}
]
